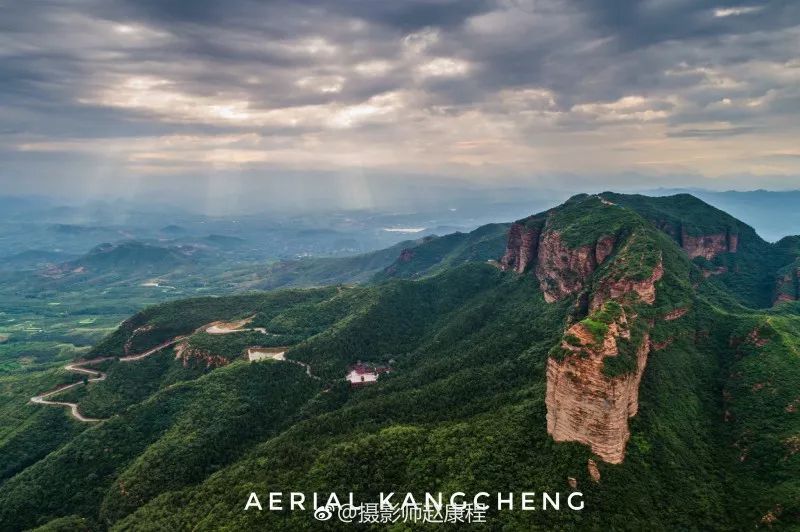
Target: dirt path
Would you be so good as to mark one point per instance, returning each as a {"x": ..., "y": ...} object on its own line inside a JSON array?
[
  {"x": 228, "y": 327},
  {"x": 95, "y": 376},
  {"x": 308, "y": 368},
  {"x": 256, "y": 354},
  {"x": 216, "y": 329}
]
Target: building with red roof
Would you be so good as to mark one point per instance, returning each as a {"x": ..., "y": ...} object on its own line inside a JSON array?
[{"x": 359, "y": 374}]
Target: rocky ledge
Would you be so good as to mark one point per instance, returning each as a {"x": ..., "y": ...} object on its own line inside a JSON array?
[{"x": 191, "y": 356}]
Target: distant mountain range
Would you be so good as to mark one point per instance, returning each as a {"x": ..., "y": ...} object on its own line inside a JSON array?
[{"x": 773, "y": 214}]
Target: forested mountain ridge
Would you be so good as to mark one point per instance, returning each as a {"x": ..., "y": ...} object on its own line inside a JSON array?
[
  {"x": 409, "y": 259},
  {"x": 686, "y": 375}
]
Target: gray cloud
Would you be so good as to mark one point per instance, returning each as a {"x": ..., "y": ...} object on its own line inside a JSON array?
[{"x": 479, "y": 89}]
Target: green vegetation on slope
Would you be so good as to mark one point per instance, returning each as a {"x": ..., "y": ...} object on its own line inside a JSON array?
[
  {"x": 749, "y": 273},
  {"x": 177, "y": 437},
  {"x": 434, "y": 254},
  {"x": 713, "y": 447}
]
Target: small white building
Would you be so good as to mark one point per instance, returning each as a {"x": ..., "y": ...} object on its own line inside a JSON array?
[{"x": 360, "y": 374}]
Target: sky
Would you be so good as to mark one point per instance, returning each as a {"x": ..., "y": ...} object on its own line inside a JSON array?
[{"x": 346, "y": 100}]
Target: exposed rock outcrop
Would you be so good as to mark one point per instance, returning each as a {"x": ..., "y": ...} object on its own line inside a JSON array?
[
  {"x": 604, "y": 248},
  {"x": 406, "y": 255},
  {"x": 586, "y": 401},
  {"x": 561, "y": 270},
  {"x": 190, "y": 356},
  {"x": 586, "y": 405},
  {"x": 788, "y": 285},
  {"x": 709, "y": 246},
  {"x": 756, "y": 338},
  {"x": 675, "y": 314},
  {"x": 645, "y": 288},
  {"x": 594, "y": 472},
  {"x": 660, "y": 346},
  {"x": 521, "y": 249}
]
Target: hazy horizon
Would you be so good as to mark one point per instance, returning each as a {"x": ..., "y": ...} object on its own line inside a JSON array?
[
  {"x": 295, "y": 196},
  {"x": 433, "y": 210}
]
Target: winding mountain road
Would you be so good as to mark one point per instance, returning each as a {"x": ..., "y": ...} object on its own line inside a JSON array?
[{"x": 95, "y": 376}]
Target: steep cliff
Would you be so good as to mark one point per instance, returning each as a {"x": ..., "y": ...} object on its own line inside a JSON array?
[
  {"x": 561, "y": 263},
  {"x": 699, "y": 229},
  {"x": 583, "y": 403},
  {"x": 787, "y": 286},
  {"x": 589, "y": 400},
  {"x": 728, "y": 251},
  {"x": 522, "y": 247},
  {"x": 710, "y": 245},
  {"x": 561, "y": 270},
  {"x": 609, "y": 257}
]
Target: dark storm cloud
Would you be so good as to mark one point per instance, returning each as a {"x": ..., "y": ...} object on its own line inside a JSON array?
[
  {"x": 484, "y": 81},
  {"x": 405, "y": 16},
  {"x": 639, "y": 23}
]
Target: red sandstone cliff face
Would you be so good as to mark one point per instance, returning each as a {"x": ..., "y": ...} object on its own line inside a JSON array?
[
  {"x": 586, "y": 406},
  {"x": 561, "y": 270},
  {"x": 604, "y": 248},
  {"x": 521, "y": 249},
  {"x": 709, "y": 246},
  {"x": 788, "y": 286},
  {"x": 645, "y": 289},
  {"x": 583, "y": 403}
]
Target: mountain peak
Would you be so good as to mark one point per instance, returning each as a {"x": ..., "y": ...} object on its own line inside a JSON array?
[{"x": 610, "y": 259}]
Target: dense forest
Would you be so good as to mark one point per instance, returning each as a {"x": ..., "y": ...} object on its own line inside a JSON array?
[{"x": 184, "y": 441}]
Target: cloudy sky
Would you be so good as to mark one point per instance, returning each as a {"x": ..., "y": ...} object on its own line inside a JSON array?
[{"x": 104, "y": 95}]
